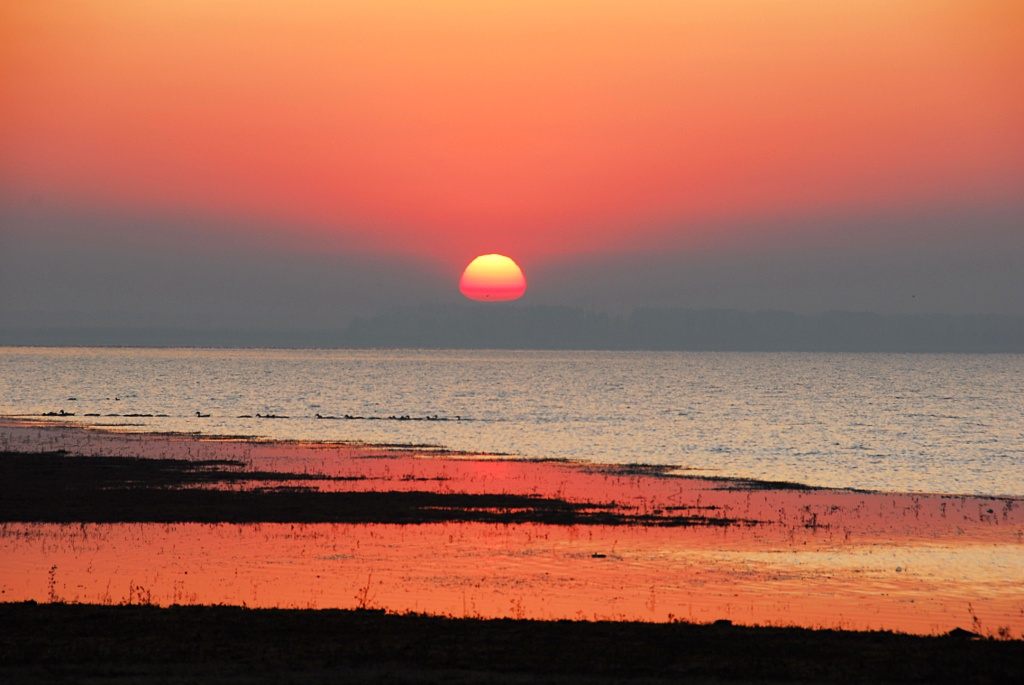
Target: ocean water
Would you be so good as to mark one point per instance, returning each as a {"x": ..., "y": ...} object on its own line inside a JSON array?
[{"x": 907, "y": 423}]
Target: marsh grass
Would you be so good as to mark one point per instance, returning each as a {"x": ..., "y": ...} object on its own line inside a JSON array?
[{"x": 72, "y": 643}]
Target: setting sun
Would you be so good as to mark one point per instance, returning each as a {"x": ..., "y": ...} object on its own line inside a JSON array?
[{"x": 492, "y": 278}]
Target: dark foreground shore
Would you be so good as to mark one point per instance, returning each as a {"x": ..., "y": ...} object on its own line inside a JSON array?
[{"x": 136, "y": 644}]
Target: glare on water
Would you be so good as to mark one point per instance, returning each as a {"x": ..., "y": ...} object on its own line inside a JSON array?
[{"x": 915, "y": 423}]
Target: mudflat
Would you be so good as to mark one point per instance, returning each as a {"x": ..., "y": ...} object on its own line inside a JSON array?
[
  {"x": 98, "y": 517},
  {"x": 56, "y": 487}
]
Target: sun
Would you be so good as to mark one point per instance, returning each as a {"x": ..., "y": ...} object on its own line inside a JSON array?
[{"x": 492, "y": 278}]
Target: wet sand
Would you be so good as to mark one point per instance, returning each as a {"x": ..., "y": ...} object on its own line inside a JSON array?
[{"x": 423, "y": 530}]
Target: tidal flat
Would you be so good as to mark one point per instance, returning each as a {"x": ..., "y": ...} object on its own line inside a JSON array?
[{"x": 97, "y": 517}]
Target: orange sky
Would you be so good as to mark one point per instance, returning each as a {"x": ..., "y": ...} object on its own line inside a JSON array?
[{"x": 534, "y": 129}]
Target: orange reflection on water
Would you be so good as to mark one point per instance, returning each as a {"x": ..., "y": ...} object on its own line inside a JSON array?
[
  {"x": 820, "y": 558},
  {"x": 522, "y": 571}
]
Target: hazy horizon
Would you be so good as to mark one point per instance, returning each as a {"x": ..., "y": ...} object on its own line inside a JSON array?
[
  {"x": 202, "y": 167},
  {"x": 94, "y": 270}
]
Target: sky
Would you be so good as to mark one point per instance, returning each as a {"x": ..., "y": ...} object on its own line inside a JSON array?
[{"x": 271, "y": 164}]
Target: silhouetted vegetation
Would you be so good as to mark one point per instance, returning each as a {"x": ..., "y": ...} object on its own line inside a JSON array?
[
  {"x": 512, "y": 326},
  {"x": 127, "y": 644}
]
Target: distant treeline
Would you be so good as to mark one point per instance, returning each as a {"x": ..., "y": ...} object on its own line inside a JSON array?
[
  {"x": 685, "y": 329},
  {"x": 546, "y": 327}
]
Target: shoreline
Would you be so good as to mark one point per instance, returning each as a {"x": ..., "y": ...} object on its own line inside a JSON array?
[
  {"x": 273, "y": 524},
  {"x": 140, "y": 438},
  {"x": 67, "y": 642}
]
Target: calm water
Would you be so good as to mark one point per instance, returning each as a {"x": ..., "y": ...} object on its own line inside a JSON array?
[{"x": 916, "y": 423}]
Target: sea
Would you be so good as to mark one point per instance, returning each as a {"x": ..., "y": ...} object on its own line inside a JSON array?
[{"x": 888, "y": 422}]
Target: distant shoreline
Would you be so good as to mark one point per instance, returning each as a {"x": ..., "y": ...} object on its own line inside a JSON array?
[{"x": 509, "y": 327}]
